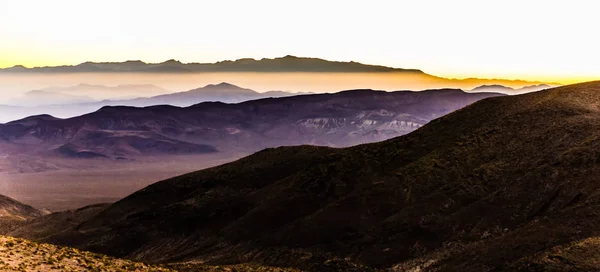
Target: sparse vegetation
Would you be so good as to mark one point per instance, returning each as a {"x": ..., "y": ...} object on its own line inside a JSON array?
[
  {"x": 200, "y": 267},
  {"x": 22, "y": 255}
]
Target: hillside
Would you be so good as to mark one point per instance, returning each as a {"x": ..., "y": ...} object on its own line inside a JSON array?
[
  {"x": 506, "y": 184},
  {"x": 11, "y": 209},
  {"x": 22, "y": 255},
  {"x": 341, "y": 119}
]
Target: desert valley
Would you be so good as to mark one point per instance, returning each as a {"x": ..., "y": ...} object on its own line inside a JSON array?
[
  {"x": 289, "y": 136},
  {"x": 411, "y": 202},
  {"x": 104, "y": 150}
]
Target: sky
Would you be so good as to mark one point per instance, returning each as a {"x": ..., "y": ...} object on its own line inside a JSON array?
[{"x": 533, "y": 40}]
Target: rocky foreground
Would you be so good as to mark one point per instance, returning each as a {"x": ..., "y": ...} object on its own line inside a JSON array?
[{"x": 24, "y": 255}]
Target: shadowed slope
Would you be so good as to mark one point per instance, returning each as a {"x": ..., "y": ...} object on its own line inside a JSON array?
[{"x": 488, "y": 187}]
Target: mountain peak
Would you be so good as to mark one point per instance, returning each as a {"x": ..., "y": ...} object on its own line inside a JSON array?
[
  {"x": 491, "y": 86},
  {"x": 135, "y": 62},
  {"x": 225, "y": 84},
  {"x": 172, "y": 61},
  {"x": 43, "y": 117},
  {"x": 35, "y": 118},
  {"x": 222, "y": 85},
  {"x": 16, "y": 68}
]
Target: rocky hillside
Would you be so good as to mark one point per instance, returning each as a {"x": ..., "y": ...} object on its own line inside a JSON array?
[
  {"x": 12, "y": 209},
  {"x": 506, "y": 184},
  {"x": 22, "y": 255}
]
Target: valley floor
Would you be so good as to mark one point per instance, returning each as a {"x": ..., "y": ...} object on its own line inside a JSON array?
[{"x": 79, "y": 183}]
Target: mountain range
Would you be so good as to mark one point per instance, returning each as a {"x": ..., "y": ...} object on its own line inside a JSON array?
[
  {"x": 306, "y": 74},
  {"x": 76, "y": 100},
  {"x": 508, "y": 90},
  {"x": 66, "y": 102},
  {"x": 283, "y": 64},
  {"x": 508, "y": 183},
  {"x": 340, "y": 119},
  {"x": 38, "y": 98},
  {"x": 102, "y": 92},
  {"x": 505, "y": 184},
  {"x": 222, "y": 92},
  {"x": 84, "y": 93}
]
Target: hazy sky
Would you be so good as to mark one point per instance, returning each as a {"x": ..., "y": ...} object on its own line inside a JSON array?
[{"x": 542, "y": 40}]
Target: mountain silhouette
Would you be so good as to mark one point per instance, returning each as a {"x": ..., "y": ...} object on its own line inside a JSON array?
[
  {"x": 222, "y": 92},
  {"x": 64, "y": 101},
  {"x": 496, "y": 88},
  {"x": 283, "y": 64}
]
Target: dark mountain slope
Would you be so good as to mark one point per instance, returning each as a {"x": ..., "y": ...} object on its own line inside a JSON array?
[
  {"x": 341, "y": 119},
  {"x": 492, "y": 187}
]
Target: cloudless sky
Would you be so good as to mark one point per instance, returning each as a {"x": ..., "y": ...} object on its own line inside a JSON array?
[{"x": 532, "y": 39}]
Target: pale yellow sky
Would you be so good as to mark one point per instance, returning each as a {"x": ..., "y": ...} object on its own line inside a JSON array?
[{"x": 535, "y": 40}]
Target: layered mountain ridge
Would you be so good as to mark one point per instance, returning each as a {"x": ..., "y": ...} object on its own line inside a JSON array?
[
  {"x": 506, "y": 184},
  {"x": 341, "y": 119},
  {"x": 66, "y": 102}
]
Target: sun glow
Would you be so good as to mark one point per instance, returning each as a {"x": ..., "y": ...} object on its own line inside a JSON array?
[{"x": 532, "y": 40}]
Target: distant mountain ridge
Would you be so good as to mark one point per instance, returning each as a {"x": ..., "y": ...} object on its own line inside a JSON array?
[
  {"x": 41, "y": 97},
  {"x": 497, "y": 88},
  {"x": 340, "y": 119},
  {"x": 101, "y": 92},
  {"x": 222, "y": 92},
  {"x": 284, "y": 64},
  {"x": 73, "y": 105}
]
